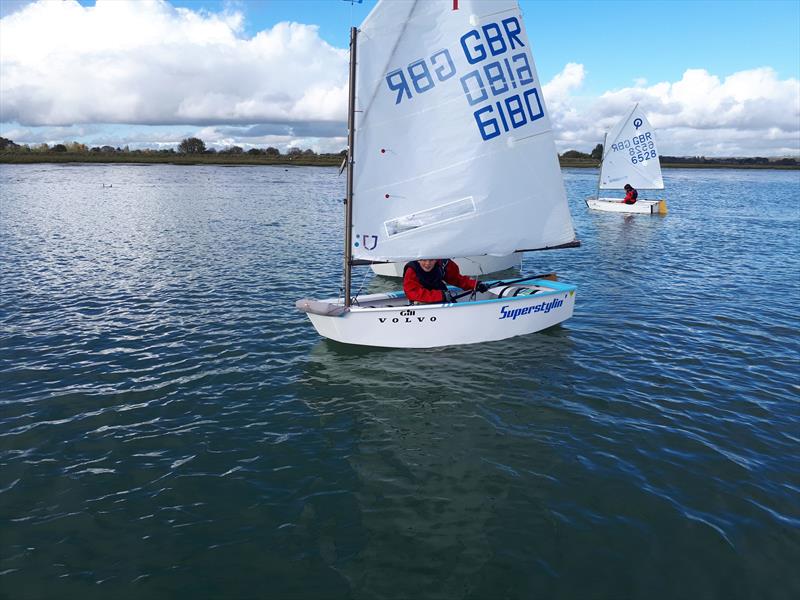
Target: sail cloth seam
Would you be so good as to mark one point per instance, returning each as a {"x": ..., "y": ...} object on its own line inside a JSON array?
[
  {"x": 422, "y": 111},
  {"x": 499, "y": 12},
  {"x": 533, "y": 135}
]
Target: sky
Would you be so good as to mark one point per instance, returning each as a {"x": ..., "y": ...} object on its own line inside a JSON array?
[{"x": 717, "y": 78}]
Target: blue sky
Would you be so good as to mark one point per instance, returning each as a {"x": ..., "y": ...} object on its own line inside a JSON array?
[{"x": 717, "y": 78}]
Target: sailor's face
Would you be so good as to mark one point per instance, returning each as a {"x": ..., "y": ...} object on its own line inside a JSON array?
[{"x": 427, "y": 265}]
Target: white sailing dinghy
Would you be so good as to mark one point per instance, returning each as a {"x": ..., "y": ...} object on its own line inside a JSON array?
[
  {"x": 469, "y": 265},
  {"x": 450, "y": 153},
  {"x": 630, "y": 156}
]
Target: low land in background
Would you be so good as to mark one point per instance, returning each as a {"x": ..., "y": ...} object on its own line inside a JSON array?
[
  {"x": 322, "y": 160},
  {"x": 329, "y": 160},
  {"x": 192, "y": 151}
]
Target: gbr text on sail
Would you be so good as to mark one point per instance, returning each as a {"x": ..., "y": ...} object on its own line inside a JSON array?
[{"x": 499, "y": 84}]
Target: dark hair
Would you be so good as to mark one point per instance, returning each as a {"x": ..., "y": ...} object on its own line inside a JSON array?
[{"x": 628, "y": 186}]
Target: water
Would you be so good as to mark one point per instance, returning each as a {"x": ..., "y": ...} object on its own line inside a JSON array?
[{"x": 171, "y": 427}]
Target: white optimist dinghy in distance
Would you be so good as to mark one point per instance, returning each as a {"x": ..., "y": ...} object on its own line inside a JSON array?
[
  {"x": 631, "y": 157},
  {"x": 450, "y": 153}
]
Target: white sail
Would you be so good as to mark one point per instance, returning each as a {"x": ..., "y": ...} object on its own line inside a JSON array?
[
  {"x": 630, "y": 155},
  {"x": 454, "y": 153}
]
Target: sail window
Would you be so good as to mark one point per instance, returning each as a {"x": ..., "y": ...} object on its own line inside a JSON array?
[{"x": 432, "y": 216}]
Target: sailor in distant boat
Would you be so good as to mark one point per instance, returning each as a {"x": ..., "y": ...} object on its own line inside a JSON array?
[
  {"x": 631, "y": 196},
  {"x": 425, "y": 281}
]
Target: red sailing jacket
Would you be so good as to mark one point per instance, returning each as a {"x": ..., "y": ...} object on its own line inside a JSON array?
[
  {"x": 417, "y": 292},
  {"x": 630, "y": 197}
]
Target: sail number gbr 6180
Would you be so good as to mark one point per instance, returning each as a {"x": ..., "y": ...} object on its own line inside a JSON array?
[{"x": 500, "y": 84}]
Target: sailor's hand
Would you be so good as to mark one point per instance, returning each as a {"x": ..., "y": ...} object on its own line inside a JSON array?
[
  {"x": 481, "y": 287},
  {"x": 447, "y": 296}
]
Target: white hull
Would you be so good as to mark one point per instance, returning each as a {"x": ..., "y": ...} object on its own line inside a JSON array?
[
  {"x": 386, "y": 320},
  {"x": 641, "y": 207},
  {"x": 469, "y": 266}
]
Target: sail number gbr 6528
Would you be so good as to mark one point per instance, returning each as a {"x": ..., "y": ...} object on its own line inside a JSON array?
[
  {"x": 500, "y": 84},
  {"x": 641, "y": 148}
]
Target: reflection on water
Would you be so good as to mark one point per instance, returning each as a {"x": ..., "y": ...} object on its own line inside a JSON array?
[{"x": 431, "y": 461}]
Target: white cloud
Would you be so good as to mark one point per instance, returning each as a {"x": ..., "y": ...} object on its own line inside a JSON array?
[
  {"x": 747, "y": 113},
  {"x": 281, "y": 136},
  {"x": 146, "y": 62},
  {"x": 558, "y": 89},
  {"x": 220, "y": 137}
]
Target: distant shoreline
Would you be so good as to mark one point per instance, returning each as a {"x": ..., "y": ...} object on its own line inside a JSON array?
[
  {"x": 325, "y": 160},
  {"x": 593, "y": 164}
]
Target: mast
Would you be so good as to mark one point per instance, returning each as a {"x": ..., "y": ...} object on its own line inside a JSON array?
[
  {"x": 600, "y": 166},
  {"x": 348, "y": 202}
]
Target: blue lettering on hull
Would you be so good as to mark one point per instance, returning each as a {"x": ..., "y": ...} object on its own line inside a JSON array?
[{"x": 543, "y": 307}]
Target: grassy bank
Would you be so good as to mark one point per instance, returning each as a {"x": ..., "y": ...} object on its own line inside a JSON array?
[
  {"x": 593, "y": 164},
  {"x": 323, "y": 160}
]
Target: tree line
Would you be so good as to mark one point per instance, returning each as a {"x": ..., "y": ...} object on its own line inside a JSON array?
[
  {"x": 597, "y": 155},
  {"x": 191, "y": 145}
]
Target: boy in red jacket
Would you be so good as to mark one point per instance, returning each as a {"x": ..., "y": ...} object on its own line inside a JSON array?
[
  {"x": 425, "y": 281},
  {"x": 631, "y": 195}
]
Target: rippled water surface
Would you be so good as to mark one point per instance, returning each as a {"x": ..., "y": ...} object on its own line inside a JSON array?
[{"x": 170, "y": 426}]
